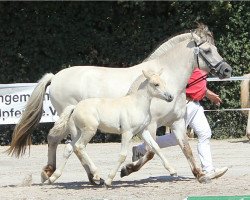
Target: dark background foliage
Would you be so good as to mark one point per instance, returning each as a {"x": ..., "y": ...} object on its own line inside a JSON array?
[{"x": 41, "y": 37}]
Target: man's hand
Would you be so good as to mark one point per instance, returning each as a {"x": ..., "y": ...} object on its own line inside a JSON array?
[{"x": 213, "y": 97}]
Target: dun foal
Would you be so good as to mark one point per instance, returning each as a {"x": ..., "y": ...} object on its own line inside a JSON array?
[{"x": 128, "y": 116}]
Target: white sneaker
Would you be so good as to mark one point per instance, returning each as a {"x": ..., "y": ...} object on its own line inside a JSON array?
[
  {"x": 216, "y": 173},
  {"x": 136, "y": 154}
]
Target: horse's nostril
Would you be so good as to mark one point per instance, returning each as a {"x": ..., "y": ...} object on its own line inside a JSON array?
[{"x": 226, "y": 70}]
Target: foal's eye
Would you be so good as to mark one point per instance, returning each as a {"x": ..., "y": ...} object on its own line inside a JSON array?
[{"x": 156, "y": 84}]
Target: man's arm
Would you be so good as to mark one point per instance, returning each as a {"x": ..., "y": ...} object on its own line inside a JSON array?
[{"x": 213, "y": 97}]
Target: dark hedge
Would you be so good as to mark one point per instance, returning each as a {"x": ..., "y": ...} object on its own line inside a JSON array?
[{"x": 41, "y": 37}]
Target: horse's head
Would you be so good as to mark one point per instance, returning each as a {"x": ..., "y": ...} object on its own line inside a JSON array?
[
  {"x": 207, "y": 55},
  {"x": 156, "y": 86}
]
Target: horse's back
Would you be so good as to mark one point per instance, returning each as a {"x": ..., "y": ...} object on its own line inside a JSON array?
[{"x": 71, "y": 85}]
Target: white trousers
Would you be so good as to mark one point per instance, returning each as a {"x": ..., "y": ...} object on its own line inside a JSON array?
[{"x": 197, "y": 120}]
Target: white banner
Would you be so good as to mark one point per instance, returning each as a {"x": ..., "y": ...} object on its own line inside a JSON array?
[{"x": 13, "y": 98}]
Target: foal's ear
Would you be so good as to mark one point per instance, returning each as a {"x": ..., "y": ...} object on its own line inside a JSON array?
[
  {"x": 160, "y": 71},
  {"x": 147, "y": 74}
]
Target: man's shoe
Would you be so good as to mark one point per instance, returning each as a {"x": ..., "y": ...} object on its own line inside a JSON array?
[
  {"x": 136, "y": 154},
  {"x": 216, "y": 173}
]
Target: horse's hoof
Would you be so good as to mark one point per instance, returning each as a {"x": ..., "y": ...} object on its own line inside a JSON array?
[
  {"x": 204, "y": 179},
  {"x": 174, "y": 174},
  {"x": 44, "y": 176},
  {"x": 124, "y": 172}
]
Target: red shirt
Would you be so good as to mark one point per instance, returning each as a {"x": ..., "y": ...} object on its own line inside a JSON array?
[{"x": 197, "y": 91}]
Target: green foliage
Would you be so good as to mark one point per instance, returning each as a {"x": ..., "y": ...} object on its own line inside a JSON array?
[{"x": 41, "y": 37}]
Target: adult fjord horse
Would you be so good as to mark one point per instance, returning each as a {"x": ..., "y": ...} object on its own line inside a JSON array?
[
  {"x": 245, "y": 100},
  {"x": 178, "y": 57}
]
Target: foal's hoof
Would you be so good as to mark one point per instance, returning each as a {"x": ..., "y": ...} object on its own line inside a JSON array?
[
  {"x": 204, "y": 179},
  {"x": 124, "y": 172}
]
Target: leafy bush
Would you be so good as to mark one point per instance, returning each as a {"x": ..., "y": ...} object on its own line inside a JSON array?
[{"x": 41, "y": 37}]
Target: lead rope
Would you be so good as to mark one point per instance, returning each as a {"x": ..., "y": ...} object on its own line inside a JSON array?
[{"x": 203, "y": 77}]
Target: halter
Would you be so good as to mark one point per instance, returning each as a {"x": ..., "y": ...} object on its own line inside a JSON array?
[
  {"x": 198, "y": 51},
  {"x": 213, "y": 69}
]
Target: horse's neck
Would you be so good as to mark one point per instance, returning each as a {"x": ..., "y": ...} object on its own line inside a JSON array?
[{"x": 178, "y": 65}]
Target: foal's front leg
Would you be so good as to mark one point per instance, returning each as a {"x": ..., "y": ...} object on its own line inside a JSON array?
[
  {"x": 151, "y": 142},
  {"x": 126, "y": 137}
]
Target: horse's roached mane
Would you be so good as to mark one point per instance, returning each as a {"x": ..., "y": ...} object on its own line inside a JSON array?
[{"x": 202, "y": 31}]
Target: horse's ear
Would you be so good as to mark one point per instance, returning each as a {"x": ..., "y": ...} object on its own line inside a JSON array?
[{"x": 147, "y": 74}]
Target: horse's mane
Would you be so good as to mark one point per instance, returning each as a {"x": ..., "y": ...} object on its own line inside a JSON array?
[
  {"x": 245, "y": 93},
  {"x": 201, "y": 31}
]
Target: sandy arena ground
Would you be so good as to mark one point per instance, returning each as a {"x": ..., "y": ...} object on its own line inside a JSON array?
[{"x": 151, "y": 182}]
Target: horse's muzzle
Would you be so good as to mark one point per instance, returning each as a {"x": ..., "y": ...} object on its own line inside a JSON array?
[{"x": 224, "y": 70}]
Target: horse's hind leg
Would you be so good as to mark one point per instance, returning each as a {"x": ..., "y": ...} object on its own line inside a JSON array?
[
  {"x": 53, "y": 141},
  {"x": 67, "y": 153}
]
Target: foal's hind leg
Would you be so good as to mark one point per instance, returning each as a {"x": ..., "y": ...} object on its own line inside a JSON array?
[{"x": 80, "y": 151}]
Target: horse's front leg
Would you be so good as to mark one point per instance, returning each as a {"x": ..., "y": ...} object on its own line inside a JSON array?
[
  {"x": 152, "y": 144},
  {"x": 179, "y": 129},
  {"x": 126, "y": 137},
  {"x": 136, "y": 166}
]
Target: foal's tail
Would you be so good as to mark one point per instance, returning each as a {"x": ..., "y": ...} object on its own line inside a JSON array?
[
  {"x": 31, "y": 116},
  {"x": 60, "y": 128},
  {"x": 244, "y": 94}
]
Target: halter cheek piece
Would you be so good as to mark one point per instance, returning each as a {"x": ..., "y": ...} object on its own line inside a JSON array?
[
  {"x": 214, "y": 69},
  {"x": 198, "y": 51}
]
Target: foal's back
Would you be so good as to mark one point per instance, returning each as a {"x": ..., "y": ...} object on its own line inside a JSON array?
[{"x": 112, "y": 115}]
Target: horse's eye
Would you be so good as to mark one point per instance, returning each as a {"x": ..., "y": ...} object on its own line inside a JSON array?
[
  {"x": 207, "y": 50},
  {"x": 156, "y": 84}
]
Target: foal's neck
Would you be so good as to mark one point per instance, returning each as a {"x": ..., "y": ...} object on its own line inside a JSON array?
[{"x": 143, "y": 94}]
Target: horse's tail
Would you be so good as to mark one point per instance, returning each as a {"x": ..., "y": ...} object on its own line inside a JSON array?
[
  {"x": 60, "y": 127},
  {"x": 31, "y": 116},
  {"x": 244, "y": 94}
]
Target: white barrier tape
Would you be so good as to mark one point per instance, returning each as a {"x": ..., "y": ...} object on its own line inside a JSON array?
[
  {"x": 234, "y": 78},
  {"x": 228, "y": 109}
]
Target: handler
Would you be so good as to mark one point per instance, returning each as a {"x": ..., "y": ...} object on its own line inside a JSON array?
[{"x": 196, "y": 90}]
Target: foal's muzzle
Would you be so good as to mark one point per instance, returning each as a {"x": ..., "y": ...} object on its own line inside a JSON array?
[{"x": 168, "y": 97}]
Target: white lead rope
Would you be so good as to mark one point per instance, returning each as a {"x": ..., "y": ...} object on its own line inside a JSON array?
[{"x": 234, "y": 78}]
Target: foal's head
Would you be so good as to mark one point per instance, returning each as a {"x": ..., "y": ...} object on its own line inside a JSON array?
[{"x": 156, "y": 86}]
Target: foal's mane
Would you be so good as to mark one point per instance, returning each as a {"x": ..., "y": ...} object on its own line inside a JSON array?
[{"x": 201, "y": 31}]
